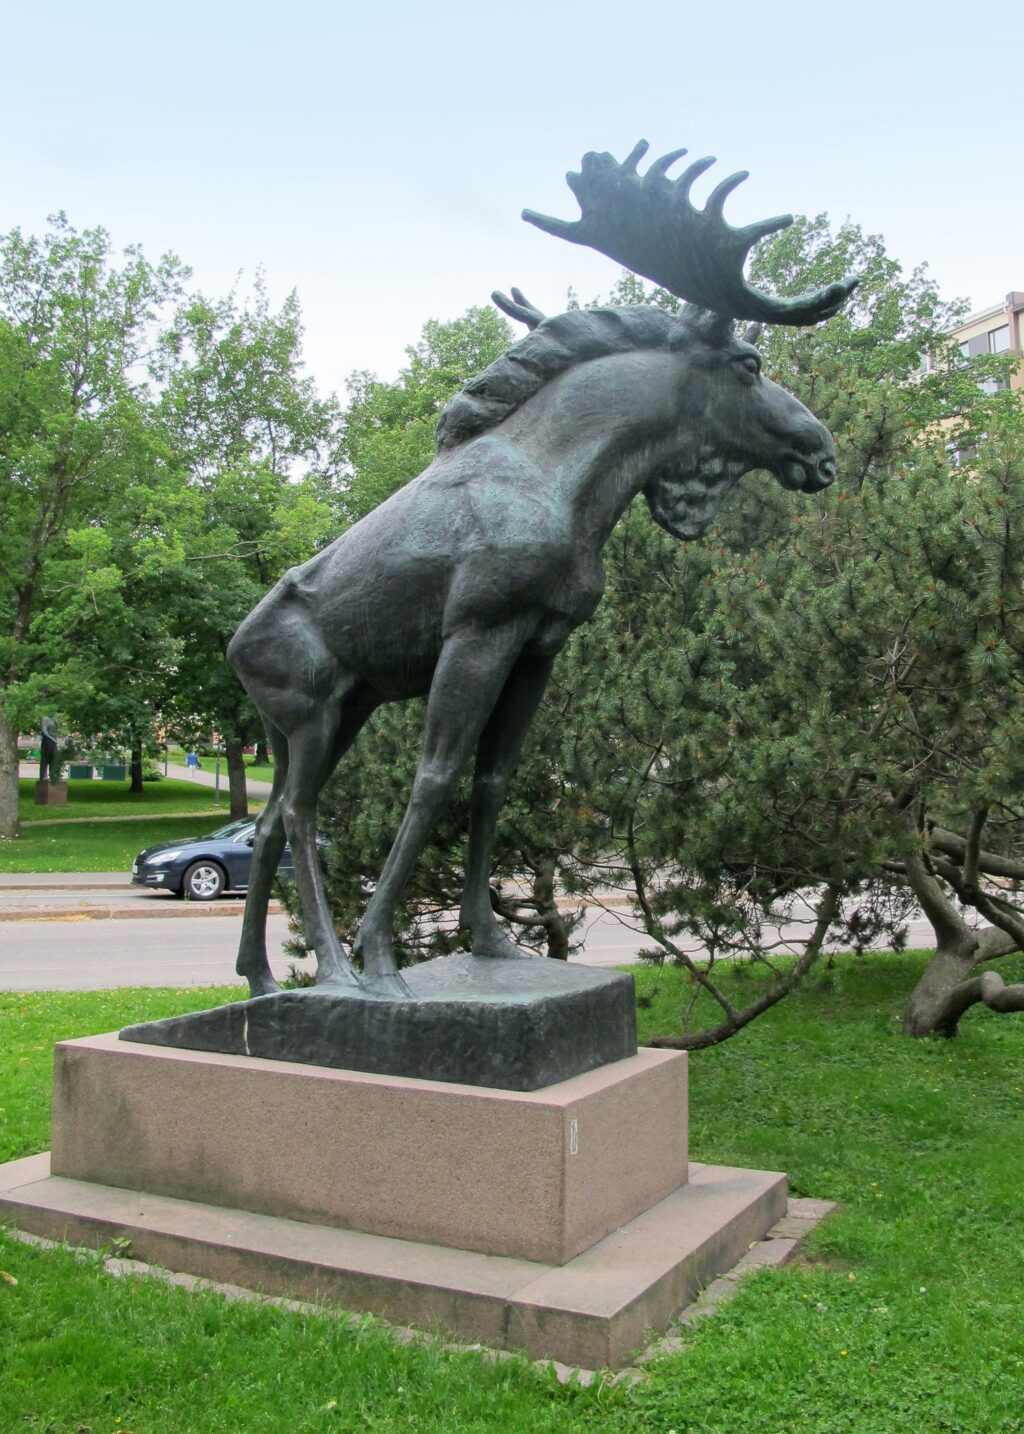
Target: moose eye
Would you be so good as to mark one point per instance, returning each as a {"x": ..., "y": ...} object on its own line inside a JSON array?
[{"x": 751, "y": 364}]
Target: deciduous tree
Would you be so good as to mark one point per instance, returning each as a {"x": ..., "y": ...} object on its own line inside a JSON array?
[
  {"x": 255, "y": 445},
  {"x": 75, "y": 326}
]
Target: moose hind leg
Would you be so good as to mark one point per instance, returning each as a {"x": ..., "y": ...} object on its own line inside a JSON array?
[
  {"x": 500, "y": 744},
  {"x": 313, "y": 753},
  {"x": 270, "y": 838}
]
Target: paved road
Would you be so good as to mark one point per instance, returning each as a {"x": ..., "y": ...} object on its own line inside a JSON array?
[
  {"x": 77, "y": 953},
  {"x": 72, "y": 950}
]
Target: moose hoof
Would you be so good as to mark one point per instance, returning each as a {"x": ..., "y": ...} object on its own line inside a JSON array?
[
  {"x": 388, "y": 984},
  {"x": 339, "y": 975},
  {"x": 262, "y": 986},
  {"x": 499, "y": 948}
]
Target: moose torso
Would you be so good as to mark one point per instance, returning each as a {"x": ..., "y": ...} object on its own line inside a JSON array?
[
  {"x": 451, "y": 548},
  {"x": 510, "y": 523}
]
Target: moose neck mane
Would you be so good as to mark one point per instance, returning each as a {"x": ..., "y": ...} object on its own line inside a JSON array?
[{"x": 557, "y": 344}]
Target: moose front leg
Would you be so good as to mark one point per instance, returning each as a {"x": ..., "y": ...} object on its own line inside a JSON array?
[
  {"x": 500, "y": 745},
  {"x": 470, "y": 674}
]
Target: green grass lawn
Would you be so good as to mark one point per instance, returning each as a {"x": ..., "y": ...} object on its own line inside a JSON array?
[
  {"x": 98, "y": 846},
  {"x": 87, "y": 799},
  {"x": 905, "y": 1313}
]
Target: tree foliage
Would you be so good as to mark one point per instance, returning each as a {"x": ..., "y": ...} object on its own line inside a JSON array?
[
  {"x": 159, "y": 469},
  {"x": 841, "y": 680},
  {"x": 388, "y": 434},
  {"x": 254, "y": 447},
  {"x": 75, "y": 325}
]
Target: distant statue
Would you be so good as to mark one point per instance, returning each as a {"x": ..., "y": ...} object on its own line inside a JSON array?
[
  {"x": 468, "y": 581},
  {"x": 49, "y": 749}
]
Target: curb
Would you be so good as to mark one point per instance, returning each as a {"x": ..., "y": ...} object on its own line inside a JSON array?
[{"x": 107, "y": 913}]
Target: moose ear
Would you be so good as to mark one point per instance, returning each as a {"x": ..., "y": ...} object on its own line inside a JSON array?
[
  {"x": 713, "y": 327},
  {"x": 752, "y": 333}
]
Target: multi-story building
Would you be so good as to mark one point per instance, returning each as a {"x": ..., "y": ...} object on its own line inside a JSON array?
[{"x": 998, "y": 330}]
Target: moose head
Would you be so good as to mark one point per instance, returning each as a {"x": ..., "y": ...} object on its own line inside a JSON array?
[{"x": 649, "y": 223}]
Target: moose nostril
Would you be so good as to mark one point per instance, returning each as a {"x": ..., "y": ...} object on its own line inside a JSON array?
[{"x": 827, "y": 470}]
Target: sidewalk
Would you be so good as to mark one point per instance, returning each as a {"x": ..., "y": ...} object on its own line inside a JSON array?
[
  {"x": 61, "y": 880},
  {"x": 97, "y": 895},
  {"x": 207, "y": 777}
]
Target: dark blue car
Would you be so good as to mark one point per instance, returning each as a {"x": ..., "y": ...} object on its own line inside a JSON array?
[{"x": 202, "y": 867}]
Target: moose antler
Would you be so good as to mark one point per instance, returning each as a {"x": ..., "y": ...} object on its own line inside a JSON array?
[
  {"x": 648, "y": 223},
  {"x": 519, "y": 307}
]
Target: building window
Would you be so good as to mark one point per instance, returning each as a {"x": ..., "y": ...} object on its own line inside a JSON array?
[
  {"x": 961, "y": 457},
  {"x": 999, "y": 340}
]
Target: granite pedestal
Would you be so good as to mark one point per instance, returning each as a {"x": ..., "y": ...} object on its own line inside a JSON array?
[
  {"x": 539, "y": 1175},
  {"x": 51, "y": 794},
  {"x": 596, "y": 1311},
  {"x": 515, "y": 1025},
  {"x": 562, "y": 1222}
]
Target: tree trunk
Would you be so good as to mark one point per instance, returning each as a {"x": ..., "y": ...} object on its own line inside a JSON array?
[
  {"x": 950, "y": 985},
  {"x": 262, "y": 757},
  {"x": 236, "y": 779},
  {"x": 539, "y": 910},
  {"x": 10, "y": 827},
  {"x": 938, "y": 1007},
  {"x": 555, "y": 926},
  {"x": 735, "y": 1019},
  {"x": 931, "y": 1008},
  {"x": 136, "y": 770}
]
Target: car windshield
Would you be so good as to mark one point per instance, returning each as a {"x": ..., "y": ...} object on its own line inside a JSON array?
[{"x": 233, "y": 830}]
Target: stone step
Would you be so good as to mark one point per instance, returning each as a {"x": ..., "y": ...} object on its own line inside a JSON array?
[{"x": 596, "y": 1311}]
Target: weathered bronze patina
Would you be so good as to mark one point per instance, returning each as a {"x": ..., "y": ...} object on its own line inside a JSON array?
[
  {"x": 468, "y": 581},
  {"x": 464, "y": 586}
]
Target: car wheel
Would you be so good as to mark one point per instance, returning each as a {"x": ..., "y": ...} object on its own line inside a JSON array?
[{"x": 203, "y": 881}]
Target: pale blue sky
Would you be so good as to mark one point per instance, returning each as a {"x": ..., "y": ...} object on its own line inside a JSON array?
[{"x": 376, "y": 158}]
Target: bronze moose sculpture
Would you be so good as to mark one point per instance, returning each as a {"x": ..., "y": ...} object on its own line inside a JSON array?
[{"x": 467, "y": 582}]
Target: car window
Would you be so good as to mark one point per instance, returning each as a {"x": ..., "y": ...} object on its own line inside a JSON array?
[{"x": 233, "y": 830}]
